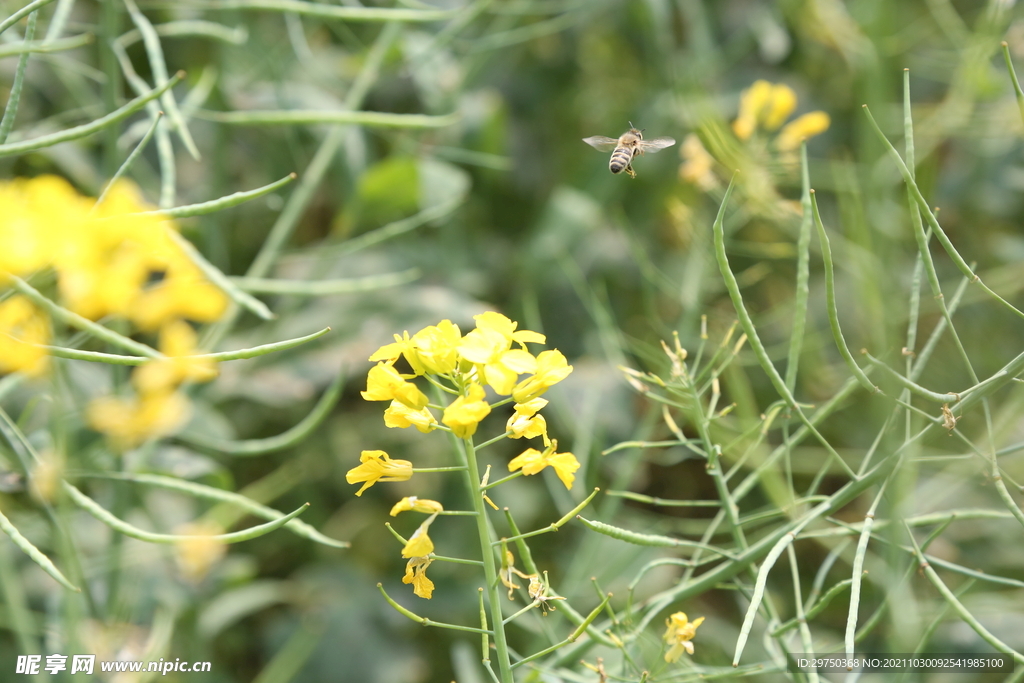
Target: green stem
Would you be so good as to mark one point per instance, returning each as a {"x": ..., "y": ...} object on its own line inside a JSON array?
[
  {"x": 487, "y": 552},
  {"x": 7, "y": 123}
]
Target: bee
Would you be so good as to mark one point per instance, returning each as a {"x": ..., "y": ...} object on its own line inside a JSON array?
[{"x": 630, "y": 144}]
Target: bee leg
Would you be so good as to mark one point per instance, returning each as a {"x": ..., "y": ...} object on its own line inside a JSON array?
[{"x": 629, "y": 170}]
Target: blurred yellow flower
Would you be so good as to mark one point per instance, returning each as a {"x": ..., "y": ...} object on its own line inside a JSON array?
[
  {"x": 24, "y": 329},
  {"x": 419, "y": 543},
  {"x": 378, "y": 466},
  {"x": 384, "y": 383},
  {"x": 532, "y": 461},
  {"x": 198, "y": 551},
  {"x": 698, "y": 164},
  {"x": 47, "y": 476},
  {"x": 753, "y": 102},
  {"x": 37, "y": 214},
  {"x": 417, "y": 505},
  {"x": 180, "y": 364},
  {"x": 767, "y": 106},
  {"x": 465, "y": 412},
  {"x": 526, "y": 423},
  {"x": 130, "y": 421},
  {"x": 184, "y": 292},
  {"x": 551, "y": 368},
  {"x": 416, "y": 574},
  {"x": 400, "y": 415},
  {"x": 801, "y": 128},
  {"x": 679, "y": 633},
  {"x": 781, "y": 104},
  {"x": 104, "y": 255}
]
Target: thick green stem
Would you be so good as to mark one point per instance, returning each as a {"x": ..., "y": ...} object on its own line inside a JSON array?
[{"x": 487, "y": 555}]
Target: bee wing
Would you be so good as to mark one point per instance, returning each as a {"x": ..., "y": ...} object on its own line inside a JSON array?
[
  {"x": 601, "y": 143},
  {"x": 655, "y": 144}
]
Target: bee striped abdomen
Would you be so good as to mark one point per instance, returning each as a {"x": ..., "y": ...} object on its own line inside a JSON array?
[{"x": 620, "y": 159}]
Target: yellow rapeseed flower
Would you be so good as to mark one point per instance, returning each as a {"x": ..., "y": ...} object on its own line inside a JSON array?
[
  {"x": 180, "y": 364},
  {"x": 679, "y": 633},
  {"x": 416, "y": 504},
  {"x": 416, "y": 574},
  {"x": 432, "y": 350},
  {"x": 698, "y": 164},
  {"x": 24, "y": 329},
  {"x": 489, "y": 347},
  {"x": 198, "y": 551},
  {"x": 104, "y": 256},
  {"x": 384, "y": 383},
  {"x": 28, "y": 242},
  {"x": 526, "y": 423},
  {"x": 780, "y": 106},
  {"x": 551, "y": 369},
  {"x": 803, "y": 127},
  {"x": 753, "y": 102},
  {"x": 532, "y": 461},
  {"x": 378, "y": 466},
  {"x": 465, "y": 413},
  {"x": 130, "y": 421},
  {"x": 419, "y": 543},
  {"x": 183, "y": 293},
  {"x": 400, "y": 415},
  {"x": 767, "y": 106}
]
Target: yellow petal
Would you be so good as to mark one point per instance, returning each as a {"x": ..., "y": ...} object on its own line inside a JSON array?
[{"x": 801, "y": 128}]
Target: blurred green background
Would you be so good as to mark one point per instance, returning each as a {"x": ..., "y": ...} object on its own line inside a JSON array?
[{"x": 512, "y": 212}]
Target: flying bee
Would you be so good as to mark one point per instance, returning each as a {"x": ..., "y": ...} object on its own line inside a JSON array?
[{"x": 630, "y": 144}]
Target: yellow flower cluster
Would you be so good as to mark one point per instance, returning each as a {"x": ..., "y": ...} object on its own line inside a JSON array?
[
  {"x": 767, "y": 106},
  {"x": 494, "y": 354},
  {"x": 483, "y": 357},
  {"x": 110, "y": 259}
]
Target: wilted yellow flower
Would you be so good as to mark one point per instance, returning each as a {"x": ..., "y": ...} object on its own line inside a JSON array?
[
  {"x": 551, "y": 369},
  {"x": 532, "y": 461},
  {"x": 419, "y": 543},
  {"x": 416, "y": 574},
  {"x": 198, "y": 551},
  {"x": 130, "y": 421},
  {"x": 679, "y": 633},
  {"x": 801, "y": 128},
  {"x": 465, "y": 412},
  {"x": 416, "y": 504},
  {"x": 180, "y": 364},
  {"x": 526, "y": 423},
  {"x": 400, "y": 415},
  {"x": 378, "y": 466},
  {"x": 23, "y": 330},
  {"x": 384, "y": 383}
]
